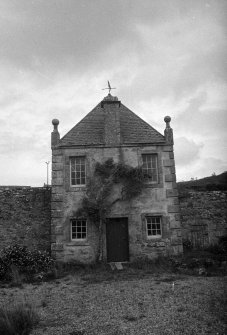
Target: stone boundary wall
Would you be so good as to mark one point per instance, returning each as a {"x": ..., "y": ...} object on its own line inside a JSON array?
[
  {"x": 25, "y": 216},
  {"x": 203, "y": 216}
]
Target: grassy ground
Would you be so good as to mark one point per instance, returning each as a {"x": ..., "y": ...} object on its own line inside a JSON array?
[{"x": 134, "y": 301}]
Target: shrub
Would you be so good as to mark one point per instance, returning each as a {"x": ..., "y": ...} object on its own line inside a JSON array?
[
  {"x": 19, "y": 319},
  {"x": 26, "y": 261},
  {"x": 220, "y": 248}
]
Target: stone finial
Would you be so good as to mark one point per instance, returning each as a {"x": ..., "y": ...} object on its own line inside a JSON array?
[
  {"x": 55, "y": 123},
  {"x": 55, "y": 136},
  {"x": 167, "y": 120},
  {"x": 168, "y": 131}
]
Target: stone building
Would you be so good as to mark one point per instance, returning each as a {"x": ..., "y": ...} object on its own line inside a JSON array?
[{"x": 146, "y": 226}]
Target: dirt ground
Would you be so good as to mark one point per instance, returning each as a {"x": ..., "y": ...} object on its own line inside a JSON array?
[{"x": 117, "y": 304}]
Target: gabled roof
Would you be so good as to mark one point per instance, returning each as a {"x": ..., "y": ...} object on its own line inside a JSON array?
[{"x": 90, "y": 130}]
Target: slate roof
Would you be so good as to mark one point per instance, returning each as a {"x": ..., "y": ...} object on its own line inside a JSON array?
[{"x": 90, "y": 130}]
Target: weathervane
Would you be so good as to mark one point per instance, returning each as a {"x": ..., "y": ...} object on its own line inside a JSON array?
[{"x": 109, "y": 87}]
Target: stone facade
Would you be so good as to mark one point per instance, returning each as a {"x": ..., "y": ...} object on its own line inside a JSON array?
[
  {"x": 110, "y": 135},
  {"x": 25, "y": 216}
]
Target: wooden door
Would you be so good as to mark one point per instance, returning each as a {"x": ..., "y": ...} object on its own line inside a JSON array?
[{"x": 117, "y": 240}]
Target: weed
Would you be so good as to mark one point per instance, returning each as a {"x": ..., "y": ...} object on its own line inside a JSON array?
[{"x": 19, "y": 319}]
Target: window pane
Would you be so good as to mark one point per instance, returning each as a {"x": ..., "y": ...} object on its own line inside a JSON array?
[
  {"x": 78, "y": 171},
  {"x": 78, "y": 229},
  {"x": 149, "y": 167},
  {"x": 153, "y": 226}
]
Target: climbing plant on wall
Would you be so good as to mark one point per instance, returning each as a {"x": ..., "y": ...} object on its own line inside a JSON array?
[{"x": 98, "y": 199}]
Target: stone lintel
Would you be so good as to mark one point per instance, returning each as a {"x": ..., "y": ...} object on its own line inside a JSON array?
[{"x": 171, "y": 193}]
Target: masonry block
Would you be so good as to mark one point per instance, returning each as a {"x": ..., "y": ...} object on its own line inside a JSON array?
[
  {"x": 172, "y": 169},
  {"x": 168, "y": 148},
  {"x": 170, "y": 177},
  {"x": 56, "y": 189},
  {"x": 57, "y": 174},
  {"x": 57, "y": 166},
  {"x": 171, "y": 155},
  {"x": 57, "y": 159},
  {"x": 168, "y": 162},
  {"x": 171, "y": 193},
  {"x": 56, "y": 152},
  {"x": 57, "y": 181}
]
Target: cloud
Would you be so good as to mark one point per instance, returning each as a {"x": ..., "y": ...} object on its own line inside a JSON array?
[
  {"x": 164, "y": 57},
  {"x": 187, "y": 151}
]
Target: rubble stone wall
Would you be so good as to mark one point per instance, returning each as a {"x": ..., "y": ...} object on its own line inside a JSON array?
[
  {"x": 25, "y": 216},
  {"x": 203, "y": 216}
]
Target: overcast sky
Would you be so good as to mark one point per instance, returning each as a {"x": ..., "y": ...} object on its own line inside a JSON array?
[{"x": 165, "y": 58}]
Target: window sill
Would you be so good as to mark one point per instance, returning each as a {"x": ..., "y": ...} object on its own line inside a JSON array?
[
  {"x": 77, "y": 188},
  {"x": 77, "y": 243}
]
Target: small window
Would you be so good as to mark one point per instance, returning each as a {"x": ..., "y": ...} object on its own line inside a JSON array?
[
  {"x": 154, "y": 228},
  {"x": 150, "y": 167},
  {"x": 78, "y": 229},
  {"x": 78, "y": 171}
]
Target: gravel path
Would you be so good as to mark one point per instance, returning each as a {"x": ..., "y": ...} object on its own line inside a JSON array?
[{"x": 159, "y": 305}]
